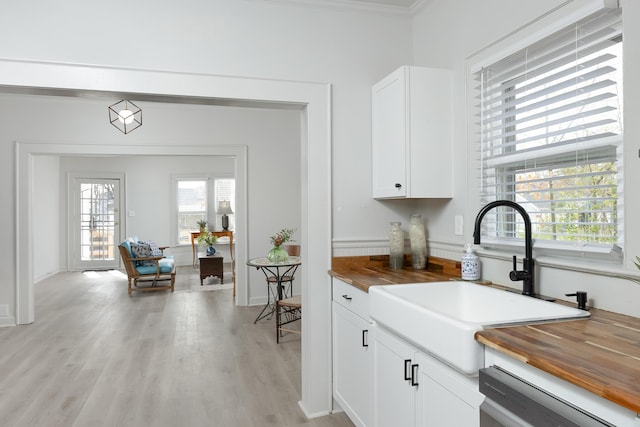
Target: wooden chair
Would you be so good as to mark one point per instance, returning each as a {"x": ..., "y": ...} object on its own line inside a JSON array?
[
  {"x": 289, "y": 309},
  {"x": 161, "y": 270}
]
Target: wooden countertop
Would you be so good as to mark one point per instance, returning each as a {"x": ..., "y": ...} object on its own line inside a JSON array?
[
  {"x": 363, "y": 272},
  {"x": 601, "y": 355}
]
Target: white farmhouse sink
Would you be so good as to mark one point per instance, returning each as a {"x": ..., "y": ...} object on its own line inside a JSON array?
[{"x": 442, "y": 317}]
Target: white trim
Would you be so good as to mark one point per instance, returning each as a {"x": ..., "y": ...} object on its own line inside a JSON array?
[
  {"x": 25, "y": 151},
  {"x": 7, "y": 321},
  {"x": 361, "y": 6},
  {"x": 553, "y": 20},
  {"x": 316, "y": 198}
]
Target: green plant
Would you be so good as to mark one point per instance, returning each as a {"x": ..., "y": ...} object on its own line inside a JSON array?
[
  {"x": 202, "y": 224},
  {"x": 207, "y": 239},
  {"x": 282, "y": 236},
  {"x": 637, "y": 262}
]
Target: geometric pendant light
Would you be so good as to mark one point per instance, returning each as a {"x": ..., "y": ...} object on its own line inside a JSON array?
[{"x": 125, "y": 115}]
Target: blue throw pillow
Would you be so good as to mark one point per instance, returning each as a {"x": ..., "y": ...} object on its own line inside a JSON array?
[
  {"x": 142, "y": 250},
  {"x": 155, "y": 249}
]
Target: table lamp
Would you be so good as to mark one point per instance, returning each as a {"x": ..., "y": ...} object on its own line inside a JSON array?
[{"x": 224, "y": 208}]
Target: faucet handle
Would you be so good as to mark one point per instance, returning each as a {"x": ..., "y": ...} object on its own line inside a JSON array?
[{"x": 513, "y": 275}]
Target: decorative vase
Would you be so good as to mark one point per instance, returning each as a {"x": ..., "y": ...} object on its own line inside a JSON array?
[
  {"x": 418, "y": 243},
  {"x": 277, "y": 254},
  {"x": 396, "y": 246},
  {"x": 211, "y": 250}
]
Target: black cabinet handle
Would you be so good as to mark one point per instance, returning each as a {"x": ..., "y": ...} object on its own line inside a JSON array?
[
  {"x": 407, "y": 368},
  {"x": 414, "y": 375},
  {"x": 398, "y": 185},
  {"x": 365, "y": 342},
  {"x": 347, "y": 297}
]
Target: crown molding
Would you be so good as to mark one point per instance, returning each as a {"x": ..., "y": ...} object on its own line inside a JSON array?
[{"x": 356, "y": 5}]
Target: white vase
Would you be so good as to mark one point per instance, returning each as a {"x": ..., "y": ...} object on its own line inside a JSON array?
[
  {"x": 418, "y": 243},
  {"x": 396, "y": 246}
]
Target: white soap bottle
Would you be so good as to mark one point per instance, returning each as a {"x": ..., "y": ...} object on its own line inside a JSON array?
[{"x": 470, "y": 265}]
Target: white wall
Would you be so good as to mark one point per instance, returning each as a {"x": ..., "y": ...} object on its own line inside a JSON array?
[
  {"x": 47, "y": 206},
  {"x": 463, "y": 28}
]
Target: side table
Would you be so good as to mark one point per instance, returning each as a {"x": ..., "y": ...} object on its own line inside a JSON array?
[{"x": 210, "y": 266}]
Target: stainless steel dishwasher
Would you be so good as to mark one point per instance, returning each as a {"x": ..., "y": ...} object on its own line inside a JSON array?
[{"x": 513, "y": 402}]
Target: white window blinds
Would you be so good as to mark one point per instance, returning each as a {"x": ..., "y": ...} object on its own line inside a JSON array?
[
  {"x": 192, "y": 207},
  {"x": 551, "y": 135}
]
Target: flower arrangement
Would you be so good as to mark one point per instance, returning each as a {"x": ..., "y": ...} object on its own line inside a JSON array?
[
  {"x": 202, "y": 224},
  {"x": 207, "y": 239},
  {"x": 282, "y": 236}
]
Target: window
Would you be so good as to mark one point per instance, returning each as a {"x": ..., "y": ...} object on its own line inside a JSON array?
[
  {"x": 551, "y": 136},
  {"x": 191, "y": 196},
  {"x": 197, "y": 199}
]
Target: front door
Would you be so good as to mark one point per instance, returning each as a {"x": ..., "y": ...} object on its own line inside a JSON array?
[{"x": 94, "y": 223}]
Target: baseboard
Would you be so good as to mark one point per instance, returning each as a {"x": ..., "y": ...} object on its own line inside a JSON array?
[
  {"x": 257, "y": 300},
  {"x": 47, "y": 275},
  {"x": 309, "y": 415},
  {"x": 7, "y": 321}
]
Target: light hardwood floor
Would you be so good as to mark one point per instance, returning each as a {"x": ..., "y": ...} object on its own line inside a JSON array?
[{"x": 98, "y": 357}]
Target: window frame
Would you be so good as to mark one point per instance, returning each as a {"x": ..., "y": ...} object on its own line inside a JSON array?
[
  {"x": 561, "y": 248},
  {"x": 211, "y": 216}
]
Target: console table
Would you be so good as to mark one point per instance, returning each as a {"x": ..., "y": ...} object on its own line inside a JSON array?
[
  {"x": 194, "y": 238},
  {"x": 210, "y": 265},
  {"x": 223, "y": 233}
]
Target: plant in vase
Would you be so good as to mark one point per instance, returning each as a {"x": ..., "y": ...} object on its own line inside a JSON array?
[
  {"x": 208, "y": 240},
  {"x": 277, "y": 254},
  {"x": 203, "y": 225}
]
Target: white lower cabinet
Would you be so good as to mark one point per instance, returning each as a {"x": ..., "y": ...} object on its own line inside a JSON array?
[
  {"x": 352, "y": 353},
  {"x": 395, "y": 396},
  {"x": 414, "y": 389}
]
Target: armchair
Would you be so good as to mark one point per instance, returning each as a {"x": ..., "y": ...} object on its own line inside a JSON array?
[{"x": 147, "y": 267}]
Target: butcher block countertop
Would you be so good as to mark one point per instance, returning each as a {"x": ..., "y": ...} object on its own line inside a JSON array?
[
  {"x": 601, "y": 354},
  {"x": 365, "y": 271}
]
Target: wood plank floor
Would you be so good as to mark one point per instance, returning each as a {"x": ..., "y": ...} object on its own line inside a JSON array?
[{"x": 98, "y": 357}]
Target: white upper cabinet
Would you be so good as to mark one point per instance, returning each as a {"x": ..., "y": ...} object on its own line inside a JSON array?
[{"x": 412, "y": 134}]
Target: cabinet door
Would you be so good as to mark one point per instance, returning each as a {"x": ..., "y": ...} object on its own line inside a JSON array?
[
  {"x": 446, "y": 398},
  {"x": 389, "y": 137},
  {"x": 353, "y": 365},
  {"x": 394, "y": 394}
]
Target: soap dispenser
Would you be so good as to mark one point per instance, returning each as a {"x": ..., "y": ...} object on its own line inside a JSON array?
[{"x": 470, "y": 265}]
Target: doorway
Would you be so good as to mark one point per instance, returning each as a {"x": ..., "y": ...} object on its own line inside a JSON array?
[
  {"x": 94, "y": 222},
  {"x": 315, "y": 98}
]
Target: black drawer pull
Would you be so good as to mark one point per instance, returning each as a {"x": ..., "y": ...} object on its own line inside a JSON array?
[
  {"x": 407, "y": 368},
  {"x": 414, "y": 375},
  {"x": 347, "y": 297},
  {"x": 365, "y": 333}
]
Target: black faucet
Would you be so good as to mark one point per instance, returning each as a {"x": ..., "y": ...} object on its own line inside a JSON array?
[{"x": 527, "y": 272}]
